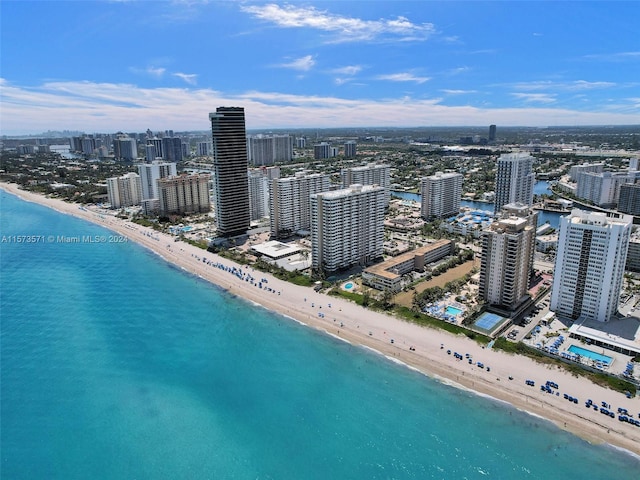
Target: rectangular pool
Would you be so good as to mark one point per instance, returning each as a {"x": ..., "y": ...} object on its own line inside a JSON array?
[
  {"x": 583, "y": 352},
  {"x": 450, "y": 310}
]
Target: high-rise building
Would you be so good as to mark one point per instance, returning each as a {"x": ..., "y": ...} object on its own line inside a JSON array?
[
  {"x": 350, "y": 149},
  {"x": 150, "y": 153},
  {"x": 150, "y": 173},
  {"x": 157, "y": 142},
  {"x": 603, "y": 189},
  {"x": 184, "y": 194},
  {"x": 172, "y": 149},
  {"x": 258, "y": 194},
  {"x": 576, "y": 170},
  {"x": 514, "y": 180},
  {"x": 267, "y": 149},
  {"x": 230, "y": 168},
  {"x": 125, "y": 148},
  {"x": 629, "y": 201},
  {"x": 124, "y": 191},
  {"x": 301, "y": 142},
  {"x": 88, "y": 145},
  {"x": 441, "y": 195},
  {"x": 492, "y": 133},
  {"x": 347, "y": 227},
  {"x": 321, "y": 151},
  {"x": 290, "y": 202},
  {"x": 507, "y": 249},
  {"x": 204, "y": 149},
  {"x": 371, "y": 174},
  {"x": 589, "y": 267}
]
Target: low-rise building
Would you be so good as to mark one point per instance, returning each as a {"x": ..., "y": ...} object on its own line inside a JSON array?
[{"x": 388, "y": 274}]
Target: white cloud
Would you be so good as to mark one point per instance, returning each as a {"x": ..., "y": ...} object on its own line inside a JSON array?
[
  {"x": 345, "y": 29},
  {"x": 403, "y": 77},
  {"x": 349, "y": 70},
  {"x": 458, "y": 92},
  {"x": 614, "y": 57},
  {"x": 190, "y": 78},
  {"x": 535, "y": 97},
  {"x": 304, "y": 64},
  {"x": 108, "y": 107},
  {"x": 156, "y": 72},
  {"x": 563, "y": 86}
]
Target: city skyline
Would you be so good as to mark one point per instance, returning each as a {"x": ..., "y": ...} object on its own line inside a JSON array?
[{"x": 109, "y": 66}]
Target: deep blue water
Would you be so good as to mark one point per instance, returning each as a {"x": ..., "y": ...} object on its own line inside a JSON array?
[{"x": 116, "y": 365}]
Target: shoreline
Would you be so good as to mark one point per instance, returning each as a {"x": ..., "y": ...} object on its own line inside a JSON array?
[{"x": 419, "y": 348}]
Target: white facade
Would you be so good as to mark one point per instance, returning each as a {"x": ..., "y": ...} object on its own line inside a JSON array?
[
  {"x": 603, "y": 188},
  {"x": 124, "y": 191},
  {"x": 265, "y": 150},
  {"x": 372, "y": 174},
  {"x": 441, "y": 194},
  {"x": 150, "y": 173},
  {"x": 576, "y": 170},
  {"x": 589, "y": 267},
  {"x": 258, "y": 194},
  {"x": 347, "y": 227},
  {"x": 514, "y": 180},
  {"x": 289, "y": 202}
]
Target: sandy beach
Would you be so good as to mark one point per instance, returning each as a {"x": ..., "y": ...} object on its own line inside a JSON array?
[{"x": 424, "y": 349}]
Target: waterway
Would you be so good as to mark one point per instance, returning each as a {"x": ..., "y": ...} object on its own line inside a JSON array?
[{"x": 540, "y": 188}]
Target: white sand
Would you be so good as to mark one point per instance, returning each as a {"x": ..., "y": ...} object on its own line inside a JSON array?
[{"x": 375, "y": 330}]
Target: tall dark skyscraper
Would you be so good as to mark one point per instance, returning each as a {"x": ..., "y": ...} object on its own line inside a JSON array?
[
  {"x": 492, "y": 133},
  {"x": 230, "y": 166}
]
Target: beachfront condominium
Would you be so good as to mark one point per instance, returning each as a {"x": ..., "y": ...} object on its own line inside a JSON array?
[
  {"x": 441, "y": 194},
  {"x": 514, "y": 180},
  {"x": 258, "y": 194},
  {"x": 124, "y": 191},
  {"x": 589, "y": 267},
  {"x": 347, "y": 227},
  {"x": 290, "y": 202},
  {"x": 230, "y": 167},
  {"x": 184, "y": 194},
  {"x": 371, "y": 174},
  {"x": 505, "y": 266},
  {"x": 151, "y": 172}
]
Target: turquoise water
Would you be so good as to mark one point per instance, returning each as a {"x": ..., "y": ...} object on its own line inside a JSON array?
[
  {"x": 116, "y": 365},
  {"x": 348, "y": 286},
  {"x": 589, "y": 354},
  {"x": 450, "y": 310}
]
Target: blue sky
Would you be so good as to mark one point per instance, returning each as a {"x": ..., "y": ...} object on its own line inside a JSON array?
[{"x": 103, "y": 66}]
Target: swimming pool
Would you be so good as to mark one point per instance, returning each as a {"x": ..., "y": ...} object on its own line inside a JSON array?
[
  {"x": 450, "y": 310},
  {"x": 583, "y": 352},
  {"x": 348, "y": 286}
]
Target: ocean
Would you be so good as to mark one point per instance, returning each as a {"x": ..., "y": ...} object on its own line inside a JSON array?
[{"x": 117, "y": 365}]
